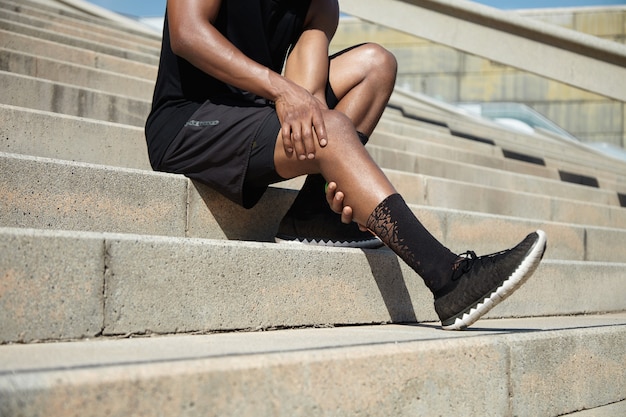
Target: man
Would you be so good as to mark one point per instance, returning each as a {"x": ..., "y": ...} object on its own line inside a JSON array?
[{"x": 231, "y": 112}]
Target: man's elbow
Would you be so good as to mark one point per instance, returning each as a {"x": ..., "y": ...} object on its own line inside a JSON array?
[{"x": 179, "y": 43}]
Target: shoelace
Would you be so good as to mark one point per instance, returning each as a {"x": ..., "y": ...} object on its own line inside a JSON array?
[
  {"x": 463, "y": 264},
  {"x": 466, "y": 261}
]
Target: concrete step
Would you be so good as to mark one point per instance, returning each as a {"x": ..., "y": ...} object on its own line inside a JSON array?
[
  {"x": 591, "y": 176},
  {"x": 450, "y": 150},
  {"x": 51, "y": 194},
  {"x": 537, "y": 145},
  {"x": 29, "y": 132},
  {"x": 79, "y": 56},
  {"x": 478, "y": 175},
  {"x": 452, "y": 153},
  {"x": 432, "y": 133},
  {"x": 68, "y": 27},
  {"x": 69, "y": 40},
  {"x": 119, "y": 145},
  {"x": 75, "y": 75},
  {"x": 84, "y": 12},
  {"x": 458, "y": 195},
  {"x": 521, "y": 367},
  {"x": 609, "y": 410},
  {"x": 83, "y": 22},
  {"x": 75, "y": 101},
  {"x": 582, "y": 166},
  {"x": 63, "y": 285}
]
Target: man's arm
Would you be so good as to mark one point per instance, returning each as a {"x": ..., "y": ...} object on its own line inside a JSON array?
[
  {"x": 307, "y": 64},
  {"x": 194, "y": 38}
]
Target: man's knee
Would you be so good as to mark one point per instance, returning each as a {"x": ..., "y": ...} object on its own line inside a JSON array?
[
  {"x": 381, "y": 60},
  {"x": 337, "y": 123}
]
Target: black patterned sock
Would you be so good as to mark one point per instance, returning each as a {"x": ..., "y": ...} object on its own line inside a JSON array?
[{"x": 396, "y": 225}]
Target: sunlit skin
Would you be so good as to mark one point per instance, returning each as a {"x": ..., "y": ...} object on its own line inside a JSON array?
[{"x": 312, "y": 139}]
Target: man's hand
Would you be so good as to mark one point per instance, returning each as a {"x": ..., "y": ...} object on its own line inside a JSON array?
[
  {"x": 335, "y": 201},
  {"x": 300, "y": 115}
]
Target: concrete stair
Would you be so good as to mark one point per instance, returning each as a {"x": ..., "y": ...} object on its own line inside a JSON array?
[{"x": 125, "y": 291}]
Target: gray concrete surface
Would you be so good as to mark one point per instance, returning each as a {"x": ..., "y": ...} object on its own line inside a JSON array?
[
  {"x": 171, "y": 285},
  {"x": 609, "y": 410},
  {"x": 67, "y": 99},
  {"x": 50, "y": 49},
  {"x": 419, "y": 370},
  {"x": 531, "y": 181},
  {"x": 64, "y": 26},
  {"x": 86, "y": 20},
  {"x": 540, "y": 48},
  {"x": 64, "y": 285},
  {"x": 42, "y": 193},
  {"x": 51, "y": 286},
  {"x": 77, "y": 75},
  {"x": 71, "y": 40},
  {"x": 82, "y": 196},
  {"x": 24, "y": 131}
]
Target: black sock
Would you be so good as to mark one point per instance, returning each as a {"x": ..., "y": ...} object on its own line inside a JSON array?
[
  {"x": 311, "y": 199},
  {"x": 396, "y": 225}
]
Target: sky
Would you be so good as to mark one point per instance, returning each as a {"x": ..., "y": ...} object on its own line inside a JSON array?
[{"x": 154, "y": 8}]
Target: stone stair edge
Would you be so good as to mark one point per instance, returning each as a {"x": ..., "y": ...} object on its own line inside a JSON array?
[
  {"x": 73, "y": 54},
  {"x": 191, "y": 239},
  {"x": 68, "y": 73},
  {"x": 78, "y": 66},
  {"x": 75, "y": 87},
  {"x": 73, "y": 100},
  {"x": 502, "y": 177},
  {"x": 76, "y": 32},
  {"x": 508, "y": 139},
  {"x": 308, "y": 381},
  {"x": 554, "y": 159},
  {"x": 98, "y": 25},
  {"x": 67, "y": 9},
  {"x": 142, "y": 163},
  {"x": 197, "y": 211},
  {"x": 77, "y": 42},
  {"x": 552, "y": 170},
  {"x": 589, "y": 157},
  {"x": 132, "y": 191},
  {"x": 106, "y": 285}
]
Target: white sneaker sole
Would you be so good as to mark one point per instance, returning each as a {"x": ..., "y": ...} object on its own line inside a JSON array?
[
  {"x": 524, "y": 271},
  {"x": 373, "y": 243}
]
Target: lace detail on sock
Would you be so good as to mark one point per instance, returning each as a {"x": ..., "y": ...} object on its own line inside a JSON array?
[{"x": 381, "y": 223}]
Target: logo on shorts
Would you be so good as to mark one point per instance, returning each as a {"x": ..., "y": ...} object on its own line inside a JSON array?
[{"x": 200, "y": 123}]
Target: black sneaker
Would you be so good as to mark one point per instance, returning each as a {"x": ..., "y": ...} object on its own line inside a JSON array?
[
  {"x": 324, "y": 228},
  {"x": 479, "y": 283}
]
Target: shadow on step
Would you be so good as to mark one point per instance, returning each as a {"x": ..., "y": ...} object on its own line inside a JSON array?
[
  {"x": 390, "y": 281},
  {"x": 212, "y": 216}
]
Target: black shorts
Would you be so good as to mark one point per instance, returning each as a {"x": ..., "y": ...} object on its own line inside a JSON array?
[
  {"x": 229, "y": 145},
  {"x": 216, "y": 144}
]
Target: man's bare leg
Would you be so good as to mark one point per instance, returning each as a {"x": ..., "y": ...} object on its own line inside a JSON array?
[
  {"x": 362, "y": 79},
  {"x": 464, "y": 287}
]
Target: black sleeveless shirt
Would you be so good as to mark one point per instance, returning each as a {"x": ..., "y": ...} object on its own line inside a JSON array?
[{"x": 264, "y": 30}]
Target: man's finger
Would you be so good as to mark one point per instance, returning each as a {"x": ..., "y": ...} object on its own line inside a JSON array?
[
  {"x": 298, "y": 145},
  {"x": 308, "y": 141},
  {"x": 320, "y": 129},
  {"x": 346, "y": 215},
  {"x": 287, "y": 142}
]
